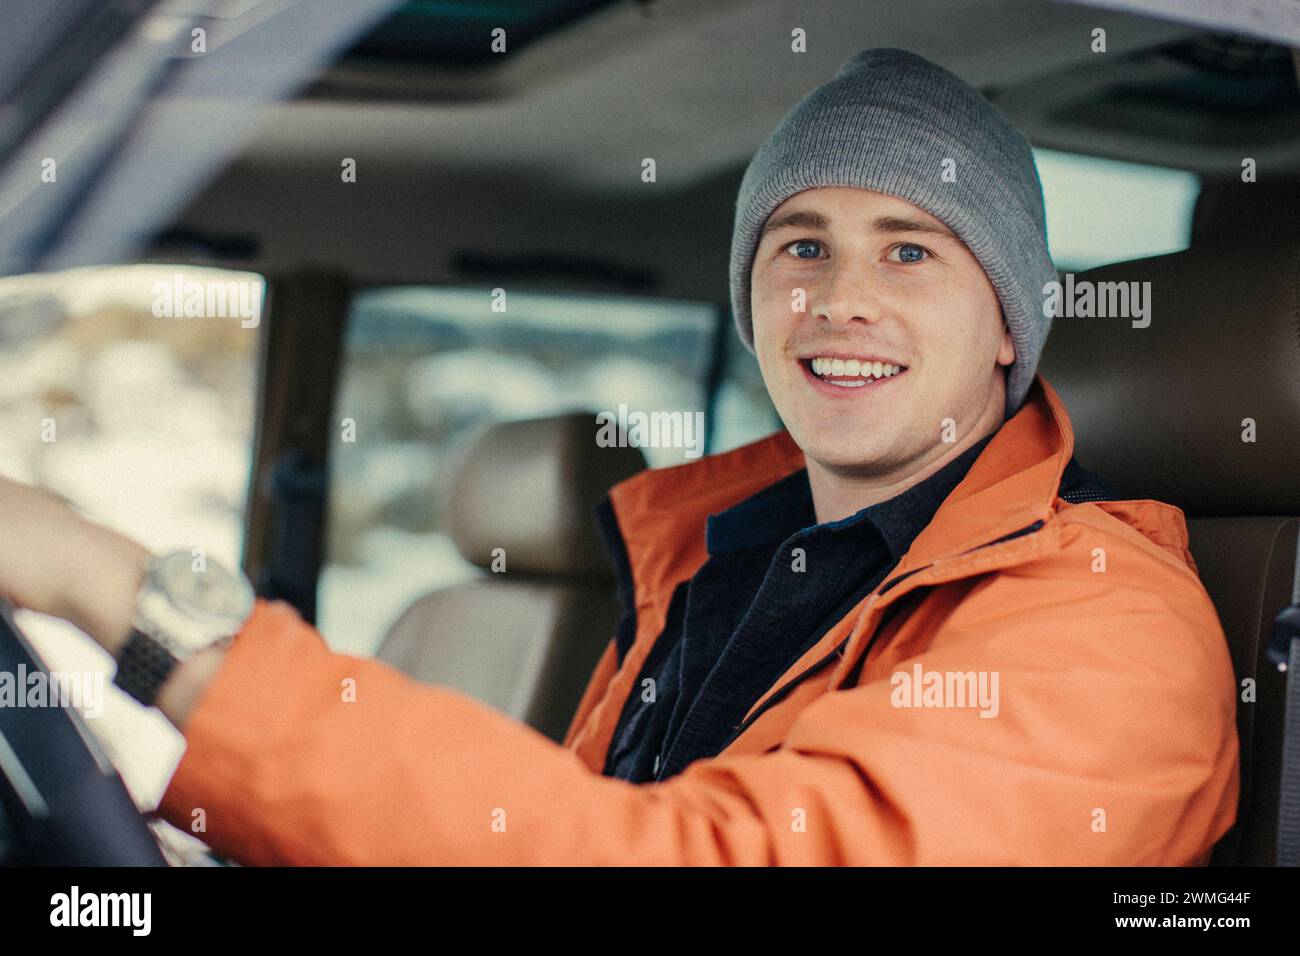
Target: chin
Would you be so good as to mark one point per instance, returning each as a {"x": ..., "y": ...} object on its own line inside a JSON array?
[{"x": 863, "y": 455}]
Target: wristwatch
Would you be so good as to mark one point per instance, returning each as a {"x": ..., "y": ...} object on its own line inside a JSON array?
[{"x": 186, "y": 602}]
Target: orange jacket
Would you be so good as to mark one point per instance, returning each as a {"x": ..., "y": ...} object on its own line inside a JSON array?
[{"x": 1113, "y": 743}]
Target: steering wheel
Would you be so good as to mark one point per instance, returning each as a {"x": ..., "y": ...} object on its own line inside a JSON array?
[{"x": 64, "y": 801}]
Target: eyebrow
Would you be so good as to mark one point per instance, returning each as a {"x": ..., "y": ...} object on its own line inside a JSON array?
[
  {"x": 903, "y": 224},
  {"x": 807, "y": 219},
  {"x": 801, "y": 218}
]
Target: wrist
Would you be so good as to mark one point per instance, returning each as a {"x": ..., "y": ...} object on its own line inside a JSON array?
[
  {"x": 180, "y": 694},
  {"x": 181, "y": 607}
]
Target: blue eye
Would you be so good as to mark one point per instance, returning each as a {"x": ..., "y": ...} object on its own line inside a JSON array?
[
  {"x": 910, "y": 252},
  {"x": 805, "y": 243}
]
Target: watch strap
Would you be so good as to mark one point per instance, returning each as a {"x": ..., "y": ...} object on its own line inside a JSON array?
[{"x": 143, "y": 666}]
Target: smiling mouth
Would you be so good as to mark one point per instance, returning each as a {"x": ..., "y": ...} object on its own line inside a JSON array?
[{"x": 848, "y": 375}]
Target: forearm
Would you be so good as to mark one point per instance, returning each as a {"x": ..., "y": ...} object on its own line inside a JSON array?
[{"x": 104, "y": 578}]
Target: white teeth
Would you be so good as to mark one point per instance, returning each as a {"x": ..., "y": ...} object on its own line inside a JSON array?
[{"x": 867, "y": 370}]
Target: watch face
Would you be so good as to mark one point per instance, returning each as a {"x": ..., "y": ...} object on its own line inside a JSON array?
[{"x": 206, "y": 590}]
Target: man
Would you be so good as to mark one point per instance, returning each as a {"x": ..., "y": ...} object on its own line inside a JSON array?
[{"x": 906, "y": 629}]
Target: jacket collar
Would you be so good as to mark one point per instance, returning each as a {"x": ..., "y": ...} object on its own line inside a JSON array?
[
  {"x": 1013, "y": 483},
  {"x": 785, "y": 508}
]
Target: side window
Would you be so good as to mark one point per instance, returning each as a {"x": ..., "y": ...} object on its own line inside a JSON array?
[
  {"x": 1104, "y": 210},
  {"x": 424, "y": 369},
  {"x": 130, "y": 391}
]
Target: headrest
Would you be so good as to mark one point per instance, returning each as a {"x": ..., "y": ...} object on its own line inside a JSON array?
[
  {"x": 1232, "y": 210},
  {"x": 1159, "y": 410},
  {"x": 531, "y": 488}
]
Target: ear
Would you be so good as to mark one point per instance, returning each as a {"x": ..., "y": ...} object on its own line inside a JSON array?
[{"x": 1007, "y": 348}]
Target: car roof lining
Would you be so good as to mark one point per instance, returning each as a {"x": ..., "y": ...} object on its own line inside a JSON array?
[{"x": 541, "y": 152}]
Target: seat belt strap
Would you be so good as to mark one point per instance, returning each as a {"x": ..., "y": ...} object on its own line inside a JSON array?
[{"x": 1284, "y": 652}]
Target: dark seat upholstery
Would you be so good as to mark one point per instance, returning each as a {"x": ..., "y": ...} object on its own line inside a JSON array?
[{"x": 1161, "y": 412}]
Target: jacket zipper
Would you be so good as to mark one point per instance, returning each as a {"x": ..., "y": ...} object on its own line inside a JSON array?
[{"x": 784, "y": 691}]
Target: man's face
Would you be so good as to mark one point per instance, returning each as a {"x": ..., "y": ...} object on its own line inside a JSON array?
[{"x": 884, "y": 281}]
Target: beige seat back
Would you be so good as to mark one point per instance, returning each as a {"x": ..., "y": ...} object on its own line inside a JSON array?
[{"x": 524, "y": 639}]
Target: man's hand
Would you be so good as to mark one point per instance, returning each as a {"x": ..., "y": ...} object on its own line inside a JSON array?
[{"x": 54, "y": 561}]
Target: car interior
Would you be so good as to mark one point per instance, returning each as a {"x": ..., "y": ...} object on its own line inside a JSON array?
[{"x": 477, "y": 171}]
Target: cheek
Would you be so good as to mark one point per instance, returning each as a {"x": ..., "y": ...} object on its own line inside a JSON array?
[
  {"x": 962, "y": 319},
  {"x": 769, "y": 309},
  {"x": 769, "y": 298}
]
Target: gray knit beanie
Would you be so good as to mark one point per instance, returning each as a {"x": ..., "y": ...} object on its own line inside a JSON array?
[{"x": 887, "y": 121}]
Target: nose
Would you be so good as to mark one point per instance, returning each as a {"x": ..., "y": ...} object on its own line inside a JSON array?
[{"x": 849, "y": 296}]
